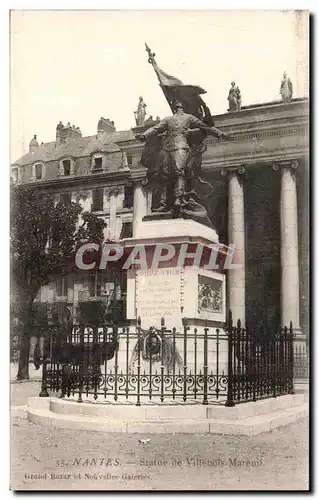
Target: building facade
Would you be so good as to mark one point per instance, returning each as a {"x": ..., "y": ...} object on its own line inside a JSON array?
[{"x": 260, "y": 203}]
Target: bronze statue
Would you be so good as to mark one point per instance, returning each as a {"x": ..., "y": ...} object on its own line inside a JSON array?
[
  {"x": 173, "y": 158},
  {"x": 140, "y": 113},
  {"x": 286, "y": 88},
  {"x": 234, "y": 98}
]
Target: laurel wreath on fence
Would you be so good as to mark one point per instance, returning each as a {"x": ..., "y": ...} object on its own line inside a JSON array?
[{"x": 154, "y": 347}]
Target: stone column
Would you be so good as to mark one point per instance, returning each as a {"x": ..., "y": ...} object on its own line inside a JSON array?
[
  {"x": 149, "y": 195},
  {"x": 289, "y": 246},
  {"x": 112, "y": 220},
  {"x": 236, "y": 237},
  {"x": 140, "y": 208}
]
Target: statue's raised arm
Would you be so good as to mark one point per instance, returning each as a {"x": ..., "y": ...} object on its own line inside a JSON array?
[{"x": 196, "y": 123}]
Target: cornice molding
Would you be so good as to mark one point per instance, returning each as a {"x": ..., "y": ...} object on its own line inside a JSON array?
[
  {"x": 245, "y": 135},
  {"x": 251, "y": 160},
  {"x": 109, "y": 177},
  {"x": 268, "y": 132}
]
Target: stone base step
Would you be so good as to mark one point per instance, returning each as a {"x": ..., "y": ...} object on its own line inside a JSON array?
[
  {"x": 126, "y": 411},
  {"x": 52, "y": 412}
]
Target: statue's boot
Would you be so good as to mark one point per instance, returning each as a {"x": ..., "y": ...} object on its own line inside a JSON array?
[
  {"x": 179, "y": 194},
  {"x": 163, "y": 202},
  {"x": 161, "y": 208}
]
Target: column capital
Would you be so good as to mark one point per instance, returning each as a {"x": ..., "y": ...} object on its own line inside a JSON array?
[
  {"x": 233, "y": 170},
  {"x": 138, "y": 173},
  {"x": 113, "y": 191},
  {"x": 139, "y": 182},
  {"x": 84, "y": 195},
  {"x": 279, "y": 165}
]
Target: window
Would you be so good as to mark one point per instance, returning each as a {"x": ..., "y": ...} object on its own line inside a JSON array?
[
  {"x": 129, "y": 160},
  {"x": 15, "y": 175},
  {"x": 95, "y": 285},
  {"x": 38, "y": 172},
  {"x": 65, "y": 198},
  {"x": 127, "y": 230},
  {"x": 97, "y": 204},
  {"x": 97, "y": 163},
  {"x": 128, "y": 197},
  {"x": 66, "y": 167},
  {"x": 62, "y": 286}
]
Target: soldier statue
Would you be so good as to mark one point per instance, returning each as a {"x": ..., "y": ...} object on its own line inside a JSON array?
[{"x": 172, "y": 157}]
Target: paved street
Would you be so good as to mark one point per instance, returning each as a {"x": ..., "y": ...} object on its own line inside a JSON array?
[{"x": 70, "y": 460}]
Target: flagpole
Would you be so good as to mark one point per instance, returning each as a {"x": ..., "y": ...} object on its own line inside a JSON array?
[{"x": 151, "y": 60}]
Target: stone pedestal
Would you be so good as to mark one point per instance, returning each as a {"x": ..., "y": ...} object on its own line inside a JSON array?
[{"x": 182, "y": 291}]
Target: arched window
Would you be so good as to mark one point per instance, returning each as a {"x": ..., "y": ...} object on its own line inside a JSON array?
[
  {"x": 66, "y": 167},
  {"x": 38, "y": 171}
]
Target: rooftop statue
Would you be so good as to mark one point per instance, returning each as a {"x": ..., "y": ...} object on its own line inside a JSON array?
[
  {"x": 286, "y": 88},
  {"x": 234, "y": 98},
  {"x": 140, "y": 114}
]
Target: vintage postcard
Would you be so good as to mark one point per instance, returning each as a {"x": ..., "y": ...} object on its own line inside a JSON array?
[{"x": 159, "y": 182}]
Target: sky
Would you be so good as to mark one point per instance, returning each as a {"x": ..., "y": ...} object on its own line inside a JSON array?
[{"x": 77, "y": 66}]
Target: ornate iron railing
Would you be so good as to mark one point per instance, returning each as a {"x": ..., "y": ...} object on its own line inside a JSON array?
[
  {"x": 301, "y": 362},
  {"x": 260, "y": 365},
  {"x": 202, "y": 365}
]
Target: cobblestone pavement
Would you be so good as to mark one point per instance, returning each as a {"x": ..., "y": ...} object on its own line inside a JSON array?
[{"x": 73, "y": 460}]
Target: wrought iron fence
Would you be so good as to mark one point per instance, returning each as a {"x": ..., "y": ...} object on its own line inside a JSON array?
[
  {"x": 136, "y": 364},
  {"x": 200, "y": 365},
  {"x": 301, "y": 362},
  {"x": 259, "y": 365}
]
